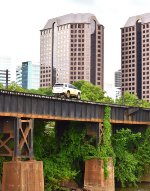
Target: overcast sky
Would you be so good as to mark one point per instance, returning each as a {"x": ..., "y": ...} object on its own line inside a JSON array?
[{"x": 22, "y": 20}]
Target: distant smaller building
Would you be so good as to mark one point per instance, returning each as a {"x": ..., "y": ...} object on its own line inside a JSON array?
[
  {"x": 118, "y": 78},
  {"x": 5, "y": 64},
  {"x": 118, "y": 92},
  {"x": 19, "y": 75},
  {"x": 28, "y": 75},
  {"x": 118, "y": 81}
]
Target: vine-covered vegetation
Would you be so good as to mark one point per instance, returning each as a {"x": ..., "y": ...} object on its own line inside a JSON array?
[
  {"x": 63, "y": 156},
  {"x": 132, "y": 152}
]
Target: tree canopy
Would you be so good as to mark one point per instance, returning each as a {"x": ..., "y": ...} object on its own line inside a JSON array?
[
  {"x": 92, "y": 92},
  {"x": 132, "y": 100},
  {"x": 128, "y": 99},
  {"x": 1, "y": 86},
  {"x": 13, "y": 86}
]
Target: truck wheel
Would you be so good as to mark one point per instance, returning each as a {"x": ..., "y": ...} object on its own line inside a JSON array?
[
  {"x": 68, "y": 94},
  {"x": 62, "y": 96},
  {"x": 79, "y": 96}
]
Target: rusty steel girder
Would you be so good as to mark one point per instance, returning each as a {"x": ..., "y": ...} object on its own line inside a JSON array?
[
  {"x": 16, "y": 137},
  {"x": 6, "y": 136},
  {"x": 24, "y": 138}
]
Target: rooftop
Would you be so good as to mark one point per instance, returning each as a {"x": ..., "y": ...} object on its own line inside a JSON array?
[
  {"x": 144, "y": 18},
  {"x": 70, "y": 18}
]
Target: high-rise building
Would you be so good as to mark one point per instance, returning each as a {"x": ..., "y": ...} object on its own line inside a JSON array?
[
  {"x": 71, "y": 49},
  {"x": 28, "y": 75},
  {"x": 135, "y": 56}
]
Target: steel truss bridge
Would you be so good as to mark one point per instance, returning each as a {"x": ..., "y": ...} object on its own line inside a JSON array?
[{"x": 19, "y": 110}]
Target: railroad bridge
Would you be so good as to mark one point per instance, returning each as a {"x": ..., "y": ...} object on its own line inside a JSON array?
[{"x": 17, "y": 114}]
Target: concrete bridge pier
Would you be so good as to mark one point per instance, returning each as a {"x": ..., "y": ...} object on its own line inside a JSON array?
[
  {"x": 94, "y": 179},
  {"x": 23, "y": 176}
]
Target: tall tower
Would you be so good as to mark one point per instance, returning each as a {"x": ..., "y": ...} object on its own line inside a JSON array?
[
  {"x": 71, "y": 49},
  {"x": 135, "y": 56}
]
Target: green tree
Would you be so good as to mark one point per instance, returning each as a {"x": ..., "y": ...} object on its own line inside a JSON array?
[
  {"x": 1, "y": 86},
  {"x": 128, "y": 99},
  {"x": 13, "y": 86},
  {"x": 89, "y": 91},
  {"x": 79, "y": 84},
  {"x": 144, "y": 103},
  {"x": 92, "y": 92},
  {"x": 46, "y": 91},
  {"x": 63, "y": 159},
  {"x": 132, "y": 100},
  {"x": 42, "y": 91},
  {"x": 125, "y": 144},
  {"x": 143, "y": 154},
  {"x": 108, "y": 100}
]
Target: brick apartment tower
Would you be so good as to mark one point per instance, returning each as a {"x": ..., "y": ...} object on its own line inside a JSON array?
[
  {"x": 135, "y": 56},
  {"x": 71, "y": 49}
]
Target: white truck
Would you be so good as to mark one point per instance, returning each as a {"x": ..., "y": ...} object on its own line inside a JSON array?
[{"x": 66, "y": 90}]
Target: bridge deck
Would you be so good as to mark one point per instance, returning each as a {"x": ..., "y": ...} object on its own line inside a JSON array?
[{"x": 18, "y": 104}]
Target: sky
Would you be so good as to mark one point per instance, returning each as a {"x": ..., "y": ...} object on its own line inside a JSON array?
[{"x": 22, "y": 20}]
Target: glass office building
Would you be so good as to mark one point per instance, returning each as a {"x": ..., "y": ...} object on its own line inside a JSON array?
[{"x": 28, "y": 75}]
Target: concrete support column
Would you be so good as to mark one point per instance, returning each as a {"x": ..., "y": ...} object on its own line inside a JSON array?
[
  {"x": 94, "y": 178},
  {"x": 23, "y": 176}
]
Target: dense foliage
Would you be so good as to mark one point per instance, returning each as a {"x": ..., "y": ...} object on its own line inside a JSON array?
[
  {"x": 64, "y": 158},
  {"x": 132, "y": 152},
  {"x": 124, "y": 143},
  {"x": 91, "y": 92},
  {"x": 132, "y": 100},
  {"x": 1, "y": 86},
  {"x": 15, "y": 87}
]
